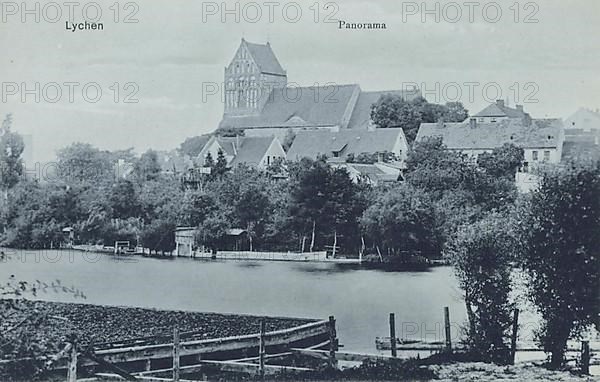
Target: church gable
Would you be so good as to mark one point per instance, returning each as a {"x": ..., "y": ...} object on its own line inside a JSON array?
[{"x": 252, "y": 72}]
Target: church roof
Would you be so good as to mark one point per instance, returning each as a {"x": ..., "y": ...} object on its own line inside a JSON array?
[
  {"x": 324, "y": 106},
  {"x": 361, "y": 116},
  {"x": 540, "y": 133},
  {"x": 265, "y": 58},
  {"x": 313, "y": 143}
]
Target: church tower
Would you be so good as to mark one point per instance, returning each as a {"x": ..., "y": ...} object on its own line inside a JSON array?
[{"x": 250, "y": 77}]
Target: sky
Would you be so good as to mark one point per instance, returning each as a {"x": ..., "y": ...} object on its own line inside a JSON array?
[{"x": 543, "y": 54}]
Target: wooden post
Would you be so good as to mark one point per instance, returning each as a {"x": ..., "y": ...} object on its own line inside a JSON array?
[
  {"x": 447, "y": 329},
  {"x": 332, "y": 342},
  {"x": 334, "y": 243},
  {"x": 176, "y": 354},
  {"x": 393, "y": 334},
  {"x": 513, "y": 338},
  {"x": 72, "y": 371},
  {"x": 585, "y": 357},
  {"x": 312, "y": 239},
  {"x": 261, "y": 350}
]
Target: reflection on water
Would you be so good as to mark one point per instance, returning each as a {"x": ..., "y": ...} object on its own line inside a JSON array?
[{"x": 360, "y": 299}]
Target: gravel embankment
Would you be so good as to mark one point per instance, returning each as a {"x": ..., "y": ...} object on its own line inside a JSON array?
[{"x": 100, "y": 324}]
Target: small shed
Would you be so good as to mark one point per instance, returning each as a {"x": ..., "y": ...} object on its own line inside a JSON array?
[
  {"x": 184, "y": 241},
  {"x": 68, "y": 234},
  {"x": 236, "y": 239}
]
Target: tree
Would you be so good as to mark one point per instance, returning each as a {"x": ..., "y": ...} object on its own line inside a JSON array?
[
  {"x": 431, "y": 167},
  {"x": 391, "y": 110},
  {"x": 220, "y": 166},
  {"x": 482, "y": 254},
  {"x": 11, "y": 148},
  {"x": 455, "y": 112},
  {"x": 198, "y": 205},
  {"x": 159, "y": 235},
  {"x": 402, "y": 220},
  {"x": 252, "y": 209},
  {"x": 288, "y": 140},
  {"x": 560, "y": 225},
  {"x": 209, "y": 161},
  {"x": 212, "y": 232},
  {"x": 123, "y": 200},
  {"x": 83, "y": 163},
  {"x": 324, "y": 204},
  {"x": 502, "y": 161},
  {"x": 147, "y": 167}
]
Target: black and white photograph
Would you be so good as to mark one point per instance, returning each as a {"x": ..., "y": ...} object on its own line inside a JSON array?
[{"x": 299, "y": 190}]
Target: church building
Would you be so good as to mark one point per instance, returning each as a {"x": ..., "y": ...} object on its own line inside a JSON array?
[{"x": 259, "y": 101}]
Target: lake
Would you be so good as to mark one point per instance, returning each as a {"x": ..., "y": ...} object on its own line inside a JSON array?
[{"x": 360, "y": 299}]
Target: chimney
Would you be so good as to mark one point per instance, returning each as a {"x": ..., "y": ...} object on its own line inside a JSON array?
[
  {"x": 500, "y": 102},
  {"x": 472, "y": 123},
  {"x": 520, "y": 107}
]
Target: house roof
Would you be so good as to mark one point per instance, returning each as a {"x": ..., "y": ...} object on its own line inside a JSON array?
[
  {"x": 313, "y": 143},
  {"x": 300, "y": 107},
  {"x": 265, "y": 58},
  {"x": 540, "y": 133},
  {"x": 252, "y": 150},
  {"x": 499, "y": 109},
  {"x": 361, "y": 115}
]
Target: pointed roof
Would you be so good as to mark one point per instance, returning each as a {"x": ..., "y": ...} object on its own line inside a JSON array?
[
  {"x": 264, "y": 58},
  {"x": 252, "y": 150}
]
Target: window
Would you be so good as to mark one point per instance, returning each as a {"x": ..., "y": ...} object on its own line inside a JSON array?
[
  {"x": 547, "y": 155},
  {"x": 534, "y": 155},
  {"x": 493, "y": 119}
]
